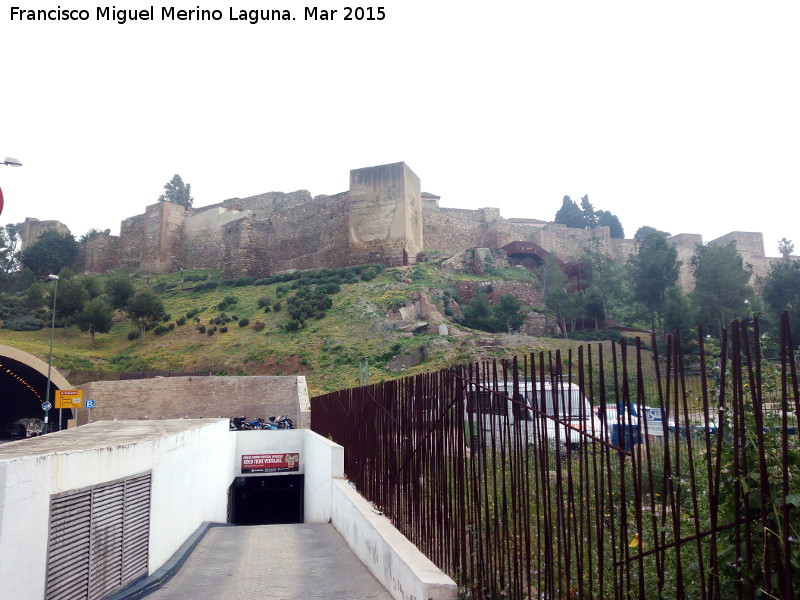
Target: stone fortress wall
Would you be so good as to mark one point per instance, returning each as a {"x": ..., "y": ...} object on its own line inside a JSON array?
[
  {"x": 383, "y": 217},
  {"x": 451, "y": 230},
  {"x": 379, "y": 219}
]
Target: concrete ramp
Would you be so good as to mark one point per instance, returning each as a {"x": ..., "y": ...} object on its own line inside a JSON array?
[{"x": 286, "y": 562}]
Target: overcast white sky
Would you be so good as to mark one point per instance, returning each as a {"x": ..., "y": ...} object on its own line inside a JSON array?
[{"x": 680, "y": 115}]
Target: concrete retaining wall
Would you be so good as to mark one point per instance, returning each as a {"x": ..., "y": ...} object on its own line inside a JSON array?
[
  {"x": 394, "y": 561},
  {"x": 199, "y": 397}
]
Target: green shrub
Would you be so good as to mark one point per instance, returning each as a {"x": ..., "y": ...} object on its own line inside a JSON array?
[
  {"x": 258, "y": 326},
  {"x": 160, "y": 330},
  {"x": 181, "y": 321},
  {"x": 227, "y": 302},
  {"x": 24, "y": 324},
  {"x": 276, "y": 307},
  {"x": 201, "y": 328},
  {"x": 244, "y": 322},
  {"x": 223, "y": 330},
  {"x": 132, "y": 335},
  {"x": 595, "y": 335}
]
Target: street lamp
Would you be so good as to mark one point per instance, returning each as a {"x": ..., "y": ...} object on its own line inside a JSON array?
[
  {"x": 9, "y": 162},
  {"x": 50, "y": 359}
]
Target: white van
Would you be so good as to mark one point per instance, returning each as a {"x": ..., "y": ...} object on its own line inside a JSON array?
[{"x": 568, "y": 412}]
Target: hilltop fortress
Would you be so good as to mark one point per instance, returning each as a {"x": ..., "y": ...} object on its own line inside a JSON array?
[{"x": 383, "y": 217}]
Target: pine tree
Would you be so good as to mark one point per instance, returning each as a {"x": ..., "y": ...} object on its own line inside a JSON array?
[{"x": 178, "y": 192}]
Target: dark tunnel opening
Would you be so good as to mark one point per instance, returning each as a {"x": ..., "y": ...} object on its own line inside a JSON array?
[{"x": 22, "y": 392}]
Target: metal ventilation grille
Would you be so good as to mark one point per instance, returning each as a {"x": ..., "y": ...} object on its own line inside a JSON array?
[{"x": 98, "y": 539}]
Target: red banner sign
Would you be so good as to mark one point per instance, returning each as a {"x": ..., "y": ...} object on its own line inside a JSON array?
[{"x": 270, "y": 463}]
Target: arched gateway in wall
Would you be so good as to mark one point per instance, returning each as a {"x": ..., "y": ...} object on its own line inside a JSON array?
[{"x": 23, "y": 385}]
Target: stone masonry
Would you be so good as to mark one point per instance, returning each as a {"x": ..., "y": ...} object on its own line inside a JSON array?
[
  {"x": 378, "y": 220},
  {"x": 33, "y": 228},
  {"x": 384, "y": 217},
  {"x": 198, "y": 397}
]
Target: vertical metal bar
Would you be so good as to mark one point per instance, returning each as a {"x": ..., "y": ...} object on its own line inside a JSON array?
[{"x": 787, "y": 355}]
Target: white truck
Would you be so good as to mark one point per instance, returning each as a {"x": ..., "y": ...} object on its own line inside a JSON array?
[
  {"x": 559, "y": 414},
  {"x": 557, "y": 410}
]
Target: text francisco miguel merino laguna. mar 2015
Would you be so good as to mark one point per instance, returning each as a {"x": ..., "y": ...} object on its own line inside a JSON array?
[{"x": 170, "y": 13}]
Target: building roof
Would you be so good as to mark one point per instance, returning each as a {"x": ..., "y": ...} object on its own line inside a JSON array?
[{"x": 100, "y": 434}]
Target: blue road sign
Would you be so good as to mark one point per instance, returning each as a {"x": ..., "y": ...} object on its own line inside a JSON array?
[
  {"x": 46, "y": 405},
  {"x": 89, "y": 404}
]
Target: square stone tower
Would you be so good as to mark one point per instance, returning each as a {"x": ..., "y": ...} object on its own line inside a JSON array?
[
  {"x": 385, "y": 215},
  {"x": 162, "y": 233}
]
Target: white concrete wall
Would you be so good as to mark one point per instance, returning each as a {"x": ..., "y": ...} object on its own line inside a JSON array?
[
  {"x": 191, "y": 477},
  {"x": 193, "y": 463},
  {"x": 394, "y": 561},
  {"x": 191, "y": 472},
  {"x": 25, "y": 504},
  {"x": 325, "y": 463}
]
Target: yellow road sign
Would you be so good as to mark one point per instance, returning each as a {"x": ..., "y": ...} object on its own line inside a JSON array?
[{"x": 69, "y": 398}]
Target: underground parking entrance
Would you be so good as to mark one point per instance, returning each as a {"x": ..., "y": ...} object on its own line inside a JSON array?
[{"x": 267, "y": 500}]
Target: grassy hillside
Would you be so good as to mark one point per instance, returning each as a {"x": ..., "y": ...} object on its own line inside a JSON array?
[{"x": 362, "y": 324}]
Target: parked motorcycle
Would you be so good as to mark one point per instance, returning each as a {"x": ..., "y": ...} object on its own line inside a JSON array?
[
  {"x": 272, "y": 424},
  {"x": 282, "y": 422},
  {"x": 239, "y": 424}
]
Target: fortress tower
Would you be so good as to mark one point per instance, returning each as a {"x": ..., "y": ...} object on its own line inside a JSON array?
[{"x": 385, "y": 215}]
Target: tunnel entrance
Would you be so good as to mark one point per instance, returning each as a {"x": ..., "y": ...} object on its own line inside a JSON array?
[
  {"x": 269, "y": 500},
  {"x": 23, "y": 387}
]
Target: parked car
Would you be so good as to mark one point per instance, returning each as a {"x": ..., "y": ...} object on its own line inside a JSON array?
[{"x": 16, "y": 431}]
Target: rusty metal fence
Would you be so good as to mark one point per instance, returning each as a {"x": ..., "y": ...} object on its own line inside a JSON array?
[{"x": 542, "y": 477}]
